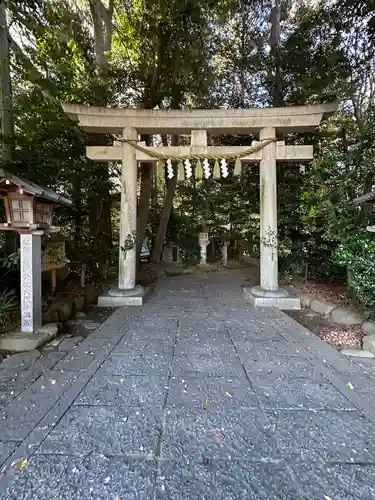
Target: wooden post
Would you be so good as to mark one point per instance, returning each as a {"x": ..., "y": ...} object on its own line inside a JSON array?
[{"x": 54, "y": 280}]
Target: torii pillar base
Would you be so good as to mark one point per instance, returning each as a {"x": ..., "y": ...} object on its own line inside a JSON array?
[
  {"x": 280, "y": 299},
  {"x": 117, "y": 297}
]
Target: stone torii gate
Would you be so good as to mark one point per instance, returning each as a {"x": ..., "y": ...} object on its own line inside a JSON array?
[{"x": 266, "y": 122}]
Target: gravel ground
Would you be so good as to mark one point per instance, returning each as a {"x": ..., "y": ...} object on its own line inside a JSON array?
[{"x": 336, "y": 335}]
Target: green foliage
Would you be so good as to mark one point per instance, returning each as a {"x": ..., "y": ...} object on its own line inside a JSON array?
[
  {"x": 203, "y": 54},
  {"x": 184, "y": 231},
  {"x": 8, "y": 304},
  {"x": 90, "y": 251},
  {"x": 11, "y": 261},
  {"x": 357, "y": 253}
]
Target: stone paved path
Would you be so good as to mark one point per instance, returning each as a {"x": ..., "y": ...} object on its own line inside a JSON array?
[{"x": 194, "y": 396}]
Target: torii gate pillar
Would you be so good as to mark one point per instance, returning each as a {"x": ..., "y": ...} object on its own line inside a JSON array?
[
  {"x": 127, "y": 293},
  {"x": 268, "y": 294}
]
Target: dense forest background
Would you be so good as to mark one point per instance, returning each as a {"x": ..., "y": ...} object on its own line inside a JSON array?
[{"x": 206, "y": 54}]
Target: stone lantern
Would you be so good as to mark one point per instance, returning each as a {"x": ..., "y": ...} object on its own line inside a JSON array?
[
  {"x": 204, "y": 241},
  {"x": 29, "y": 211}
]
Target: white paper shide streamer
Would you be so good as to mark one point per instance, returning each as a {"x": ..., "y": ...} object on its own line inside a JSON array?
[
  {"x": 169, "y": 169},
  {"x": 188, "y": 169},
  {"x": 224, "y": 168}
]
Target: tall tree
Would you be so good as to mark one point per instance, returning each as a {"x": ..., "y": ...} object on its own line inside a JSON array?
[{"x": 6, "y": 102}]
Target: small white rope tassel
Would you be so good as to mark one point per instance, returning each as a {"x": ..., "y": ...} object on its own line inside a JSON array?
[
  {"x": 169, "y": 169},
  {"x": 188, "y": 169},
  {"x": 206, "y": 168},
  {"x": 224, "y": 168}
]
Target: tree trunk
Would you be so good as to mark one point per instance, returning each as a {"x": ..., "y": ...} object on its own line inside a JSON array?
[
  {"x": 166, "y": 212},
  {"x": 6, "y": 109},
  {"x": 78, "y": 208},
  {"x": 164, "y": 219},
  {"x": 102, "y": 24},
  {"x": 144, "y": 204},
  {"x": 277, "y": 97},
  {"x": 99, "y": 201},
  {"x": 6, "y": 102},
  {"x": 154, "y": 189}
]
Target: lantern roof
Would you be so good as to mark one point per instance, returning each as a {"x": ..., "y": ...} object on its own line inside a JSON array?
[{"x": 6, "y": 178}]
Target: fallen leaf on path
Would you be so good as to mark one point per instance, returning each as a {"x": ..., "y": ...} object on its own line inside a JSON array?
[{"x": 22, "y": 463}]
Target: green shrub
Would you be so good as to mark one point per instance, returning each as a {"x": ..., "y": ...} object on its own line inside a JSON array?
[
  {"x": 8, "y": 304},
  {"x": 358, "y": 255}
]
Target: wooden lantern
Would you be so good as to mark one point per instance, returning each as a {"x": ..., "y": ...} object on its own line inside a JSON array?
[
  {"x": 29, "y": 211},
  {"x": 28, "y": 207}
]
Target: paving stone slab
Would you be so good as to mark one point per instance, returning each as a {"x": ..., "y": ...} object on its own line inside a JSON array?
[
  {"x": 149, "y": 326},
  {"x": 358, "y": 353},
  {"x": 94, "y": 478},
  {"x": 6, "y": 449},
  {"x": 225, "y": 480},
  {"x": 253, "y": 332},
  {"x": 14, "y": 381},
  {"x": 199, "y": 434},
  {"x": 136, "y": 337},
  {"x": 69, "y": 343},
  {"x": 47, "y": 361},
  {"x": 105, "y": 430},
  {"x": 215, "y": 338},
  {"x": 363, "y": 386},
  {"x": 298, "y": 393},
  {"x": 120, "y": 319},
  {"x": 335, "y": 481},
  {"x": 212, "y": 393},
  {"x": 92, "y": 345},
  {"x": 140, "y": 360},
  {"x": 344, "y": 436},
  {"x": 22, "y": 414},
  {"x": 20, "y": 361},
  {"x": 75, "y": 361},
  {"x": 245, "y": 349},
  {"x": 12, "y": 385},
  {"x": 271, "y": 363},
  {"x": 206, "y": 361},
  {"x": 197, "y": 349},
  {"x": 124, "y": 390},
  {"x": 5, "y": 396}
]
